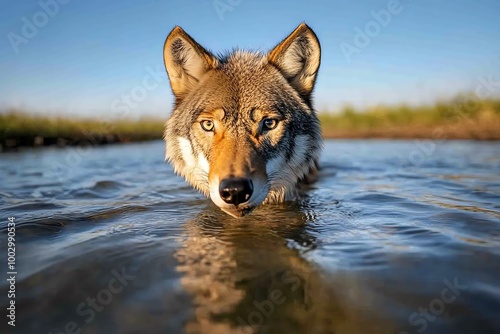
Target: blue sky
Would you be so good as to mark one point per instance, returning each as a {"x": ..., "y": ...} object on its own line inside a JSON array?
[{"x": 89, "y": 55}]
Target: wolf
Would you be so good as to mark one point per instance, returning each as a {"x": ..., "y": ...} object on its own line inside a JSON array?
[{"x": 243, "y": 130}]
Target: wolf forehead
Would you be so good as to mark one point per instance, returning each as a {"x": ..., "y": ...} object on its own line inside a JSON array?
[{"x": 240, "y": 83}]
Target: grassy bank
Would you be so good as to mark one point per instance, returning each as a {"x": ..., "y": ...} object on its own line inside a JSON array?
[
  {"x": 19, "y": 129},
  {"x": 460, "y": 118},
  {"x": 463, "y": 117}
]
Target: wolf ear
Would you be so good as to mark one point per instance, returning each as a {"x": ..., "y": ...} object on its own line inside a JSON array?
[
  {"x": 298, "y": 57},
  {"x": 185, "y": 60}
]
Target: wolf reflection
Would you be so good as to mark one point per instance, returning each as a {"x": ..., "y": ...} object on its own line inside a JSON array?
[{"x": 244, "y": 277}]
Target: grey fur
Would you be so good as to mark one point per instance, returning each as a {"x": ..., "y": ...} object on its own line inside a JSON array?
[{"x": 242, "y": 83}]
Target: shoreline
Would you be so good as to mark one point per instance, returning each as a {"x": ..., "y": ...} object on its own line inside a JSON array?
[
  {"x": 462, "y": 118},
  {"x": 61, "y": 143}
]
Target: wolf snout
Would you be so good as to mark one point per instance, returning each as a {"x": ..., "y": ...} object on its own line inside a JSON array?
[{"x": 235, "y": 190}]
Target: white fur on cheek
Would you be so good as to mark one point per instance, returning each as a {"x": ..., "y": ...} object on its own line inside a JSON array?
[
  {"x": 275, "y": 164},
  {"x": 203, "y": 163},
  {"x": 194, "y": 167},
  {"x": 187, "y": 152},
  {"x": 300, "y": 152},
  {"x": 284, "y": 175}
]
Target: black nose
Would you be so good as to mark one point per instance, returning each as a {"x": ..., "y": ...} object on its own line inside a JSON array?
[{"x": 235, "y": 190}]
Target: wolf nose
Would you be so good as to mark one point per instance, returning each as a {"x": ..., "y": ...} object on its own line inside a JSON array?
[{"x": 235, "y": 190}]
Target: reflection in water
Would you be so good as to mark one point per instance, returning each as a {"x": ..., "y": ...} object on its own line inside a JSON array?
[
  {"x": 369, "y": 248},
  {"x": 244, "y": 276}
]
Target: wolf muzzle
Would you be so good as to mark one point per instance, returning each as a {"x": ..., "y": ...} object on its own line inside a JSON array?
[{"x": 237, "y": 174}]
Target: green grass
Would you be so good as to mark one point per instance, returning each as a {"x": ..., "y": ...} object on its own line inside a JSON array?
[
  {"x": 24, "y": 127},
  {"x": 444, "y": 113},
  {"x": 461, "y": 117}
]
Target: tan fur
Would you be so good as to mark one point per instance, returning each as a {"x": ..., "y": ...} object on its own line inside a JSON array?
[
  {"x": 183, "y": 81},
  {"x": 238, "y": 93},
  {"x": 302, "y": 78}
]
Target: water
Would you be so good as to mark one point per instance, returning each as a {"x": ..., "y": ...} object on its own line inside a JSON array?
[{"x": 395, "y": 237}]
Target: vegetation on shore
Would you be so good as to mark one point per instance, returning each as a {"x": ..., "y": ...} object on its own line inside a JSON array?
[
  {"x": 463, "y": 117},
  {"x": 19, "y": 128}
]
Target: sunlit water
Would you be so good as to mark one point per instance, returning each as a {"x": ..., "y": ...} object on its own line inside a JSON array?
[{"x": 395, "y": 237}]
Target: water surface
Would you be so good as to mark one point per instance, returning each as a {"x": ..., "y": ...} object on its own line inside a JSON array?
[{"x": 395, "y": 237}]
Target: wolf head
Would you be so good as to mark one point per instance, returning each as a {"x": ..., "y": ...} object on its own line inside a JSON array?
[{"x": 243, "y": 130}]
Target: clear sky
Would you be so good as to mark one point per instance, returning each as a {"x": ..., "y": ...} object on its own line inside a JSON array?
[{"x": 85, "y": 56}]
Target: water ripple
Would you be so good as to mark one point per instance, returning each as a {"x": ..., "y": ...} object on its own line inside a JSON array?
[{"x": 373, "y": 241}]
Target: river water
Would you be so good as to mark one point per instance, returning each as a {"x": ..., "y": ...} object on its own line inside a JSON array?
[{"x": 395, "y": 237}]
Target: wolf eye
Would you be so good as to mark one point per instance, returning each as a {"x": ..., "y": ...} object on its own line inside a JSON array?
[
  {"x": 269, "y": 124},
  {"x": 207, "y": 125}
]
